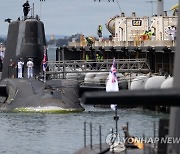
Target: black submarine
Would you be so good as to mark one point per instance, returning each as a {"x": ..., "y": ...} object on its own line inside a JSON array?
[{"x": 26, "y": 39}]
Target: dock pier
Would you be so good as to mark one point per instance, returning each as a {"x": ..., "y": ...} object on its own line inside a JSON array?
[{"x": 159, "y": 54}]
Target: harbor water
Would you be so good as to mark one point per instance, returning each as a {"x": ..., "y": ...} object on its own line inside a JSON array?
[{"x": 35, "y": 133}]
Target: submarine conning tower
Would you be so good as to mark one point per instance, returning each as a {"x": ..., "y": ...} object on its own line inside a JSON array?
[{"x": 26, "y": 39}]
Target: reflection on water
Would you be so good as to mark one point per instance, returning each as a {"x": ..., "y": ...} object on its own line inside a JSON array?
[{"x": 63, "y": 133}]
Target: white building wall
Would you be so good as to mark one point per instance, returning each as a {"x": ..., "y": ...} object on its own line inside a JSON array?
[
  {"x": 126, "y": 31},
  {"x": 130, "y": 28},
  {"x": 160, "y": 24}
]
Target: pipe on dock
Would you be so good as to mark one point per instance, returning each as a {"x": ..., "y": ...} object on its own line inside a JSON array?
[{"x": 163, "y": 97}]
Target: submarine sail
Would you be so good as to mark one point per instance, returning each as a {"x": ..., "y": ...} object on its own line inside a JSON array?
[{"x": 26, "y": 39}]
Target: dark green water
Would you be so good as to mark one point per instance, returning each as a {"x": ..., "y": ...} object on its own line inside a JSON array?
[{"x": 63, "y": 133}]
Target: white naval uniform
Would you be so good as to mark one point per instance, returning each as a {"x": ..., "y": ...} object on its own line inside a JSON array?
[
  {"x": 20, "y": 67},
  {"x": 30, "y": 65},
  {"x": 168, "y": 32},
  {"x": 173, "y": 33}
]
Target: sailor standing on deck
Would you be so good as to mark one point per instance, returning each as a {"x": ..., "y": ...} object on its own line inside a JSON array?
[
  {"x": 173, "y": 33},
  {"x": 26, "y": 8},
  {"x": 99, "y": 32},
  {"x": 20, "y": 65},
  {"x": 1, "y": 56},
  {"x": 168, "y": 32},
  {"x": 30, "y": 65}
]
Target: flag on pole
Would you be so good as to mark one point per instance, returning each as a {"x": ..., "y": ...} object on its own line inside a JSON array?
[
  {"x": 112, "y": 83},
  {"x": 44, "y": 62}
]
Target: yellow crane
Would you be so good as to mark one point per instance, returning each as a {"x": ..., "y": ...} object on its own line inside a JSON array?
[{"x": 175, "y": 7}]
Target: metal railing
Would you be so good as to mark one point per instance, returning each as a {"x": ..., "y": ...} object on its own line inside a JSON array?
[
  {"x": 114, "y": 43},
  {"x": 61, "y": 68}
]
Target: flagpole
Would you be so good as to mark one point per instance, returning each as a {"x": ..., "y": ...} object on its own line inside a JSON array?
[
  {"x": 44, "y": 63},
  {"x": 44, "y": 76},
  {"x": 112, "y": 86},
  {"x": 40, "y": 7},
  {"x": 116, "y": 118}
]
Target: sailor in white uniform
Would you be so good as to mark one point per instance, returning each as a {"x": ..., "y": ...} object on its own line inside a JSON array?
[
  {"x": 173, "y": 33},
  {"x": 20, "y": 65},
  {"x": 30, "y": 65},
  {"x": 168, "y": 32}
]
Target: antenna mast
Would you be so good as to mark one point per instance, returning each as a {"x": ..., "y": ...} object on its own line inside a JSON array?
[
  {"x": 40, "y": 7},
  {"x": 152, "y": 8},
  {"x": 119, "y": 7}
]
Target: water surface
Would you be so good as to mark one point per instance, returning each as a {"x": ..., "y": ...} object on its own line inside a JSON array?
[{"x": 34, "y": 133}]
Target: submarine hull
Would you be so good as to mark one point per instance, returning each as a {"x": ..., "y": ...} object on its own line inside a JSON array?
[{"x": 54, "y": 96}]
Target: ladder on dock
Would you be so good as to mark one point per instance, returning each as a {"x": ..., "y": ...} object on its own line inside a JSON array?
[{"x": 59, "y": 69}]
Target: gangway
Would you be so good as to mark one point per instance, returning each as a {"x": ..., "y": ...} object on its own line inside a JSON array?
[{"x": 59, "y": 69}]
